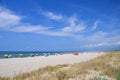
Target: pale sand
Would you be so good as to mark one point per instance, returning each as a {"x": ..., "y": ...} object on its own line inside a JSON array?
[{"x": 14, "y": 66}]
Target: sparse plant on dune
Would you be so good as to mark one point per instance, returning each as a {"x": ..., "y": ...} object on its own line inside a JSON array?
[
  {"x": 118, "y": 76},
  {"x": 61, "y": 75},
  {"x": 99, "y": 78},
  {"x": 3, "y": 78}
]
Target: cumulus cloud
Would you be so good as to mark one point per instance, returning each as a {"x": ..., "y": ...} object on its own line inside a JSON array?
[{"x": 8, "y": 18}]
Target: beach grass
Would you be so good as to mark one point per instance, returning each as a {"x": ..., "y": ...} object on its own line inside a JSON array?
[{"x": 104, "y": 67}]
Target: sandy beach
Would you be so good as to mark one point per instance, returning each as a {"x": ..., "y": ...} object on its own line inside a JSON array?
[{"x": 14, "y": 66}]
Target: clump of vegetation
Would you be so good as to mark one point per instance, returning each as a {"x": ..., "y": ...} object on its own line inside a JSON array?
[
  {"x": 118, "y": 76},
  {"x": 3, "y": 78},
  {"x": 100, "y": 78},
  {"x": 61, "y": 75},
  {"x": 54, "y": 68},
  {"x": 47, "y": 73},
  {"x": 107, "y": 64}
]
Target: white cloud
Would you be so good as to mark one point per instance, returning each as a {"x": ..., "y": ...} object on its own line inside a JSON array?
[
  {"x": 118, "y": 43},
  {"x": 74, "y": 28},
  {"x": 99, "y": 44},
  {"x": 101, "y": 37},
  {"x": 54, "y": 33},
  {"x": 96, "y": 23},
  {"x": 53, "y": 16},
  {"x": 73, "y": 25},
  {"x": 28, "y": 28},
  {"x": 97, "y": 36},
  {"x": 8, "y": 18},
  {"x": 103, "y": 44},
  {"x": 72, "y": 20}
]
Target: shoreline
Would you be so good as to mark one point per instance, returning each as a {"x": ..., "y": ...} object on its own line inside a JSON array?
[
  {"x": 14, "y": 66},
  {"x": 21, "y": 54}
]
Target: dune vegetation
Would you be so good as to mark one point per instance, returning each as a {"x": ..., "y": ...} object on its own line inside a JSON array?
[{"x": 104, "y": 67}]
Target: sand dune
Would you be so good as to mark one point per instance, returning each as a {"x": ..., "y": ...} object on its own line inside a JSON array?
[{"x": 14, "y": 66}]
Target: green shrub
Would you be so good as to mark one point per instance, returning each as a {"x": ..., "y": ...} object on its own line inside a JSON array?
[
  {"x": 100, "y": 78},
  {"x": 118, "y": 76},
  {"x": 97, "y": 78}
]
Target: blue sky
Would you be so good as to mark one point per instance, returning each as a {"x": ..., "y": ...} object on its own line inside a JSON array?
[{"x": 59, "y": 25}]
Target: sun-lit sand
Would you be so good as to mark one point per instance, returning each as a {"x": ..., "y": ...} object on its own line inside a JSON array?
[{"x": 14, "y": 66}]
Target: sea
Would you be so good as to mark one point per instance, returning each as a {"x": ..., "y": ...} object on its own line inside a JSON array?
[{"x": 16, "y": 54}]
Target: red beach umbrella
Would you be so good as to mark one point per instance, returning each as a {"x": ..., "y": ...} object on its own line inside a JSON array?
[{"x": 76, "y": 53}]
